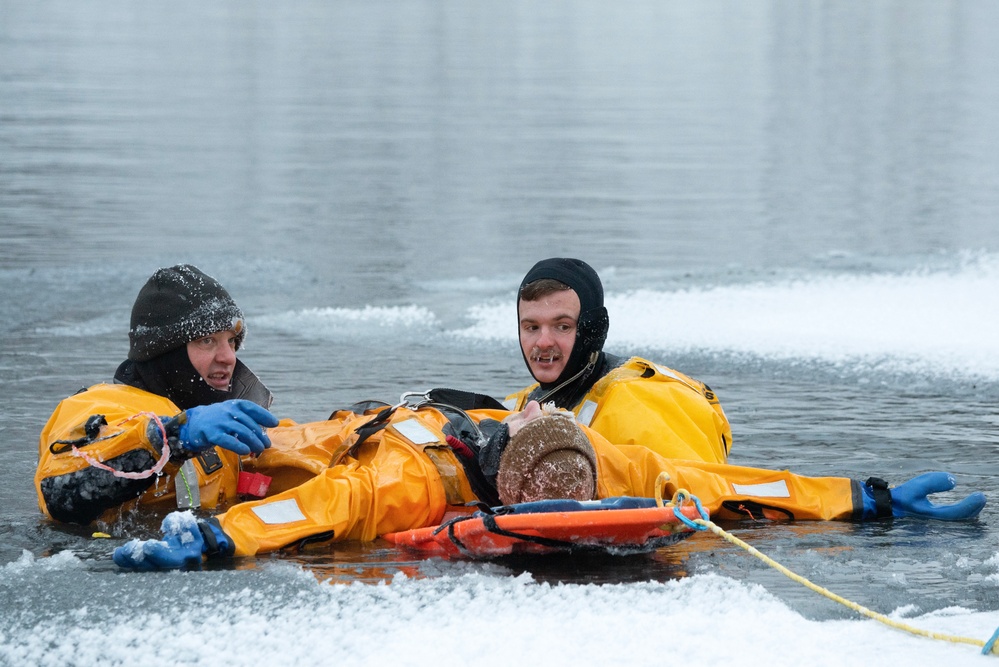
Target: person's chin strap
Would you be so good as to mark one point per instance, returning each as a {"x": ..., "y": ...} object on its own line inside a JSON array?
[{"x": 583, "y": 372}]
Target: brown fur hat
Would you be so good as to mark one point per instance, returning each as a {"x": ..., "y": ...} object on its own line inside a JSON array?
[{"x": 550, "y": 457}]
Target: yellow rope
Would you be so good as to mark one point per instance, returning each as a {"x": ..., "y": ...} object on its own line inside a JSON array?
[
  {"x": 682, "y": 495},
  {"x": 660, "y": 487},
  {"x": 714, "y": 528}
]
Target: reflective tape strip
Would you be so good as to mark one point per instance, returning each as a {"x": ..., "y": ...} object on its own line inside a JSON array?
[
  {"x": 585, "y": 415},
  {"x": 282, "y": 511},
  {"x": 415, "y": 432},
  {"x": 776, "y": 489}
]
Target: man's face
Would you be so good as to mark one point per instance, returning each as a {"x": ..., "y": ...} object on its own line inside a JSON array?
[
  {"x": 214, "y": 357},
  {"x": 548, "y": 332}
]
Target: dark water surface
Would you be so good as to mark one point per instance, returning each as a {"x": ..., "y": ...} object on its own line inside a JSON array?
[{"x": 363, "y": 176}]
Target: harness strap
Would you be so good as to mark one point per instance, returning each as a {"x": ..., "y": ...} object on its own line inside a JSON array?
[
  {"x": 92, "y": 431},
  {"x": 375, "y": 424},
  {"x": 318, "y": 538},
  {"x": 449, "y": 526},
  {"x": 358, "y": 408},
  {"x": 489, "y": 522},
  {"x": 464, "y": 400}
]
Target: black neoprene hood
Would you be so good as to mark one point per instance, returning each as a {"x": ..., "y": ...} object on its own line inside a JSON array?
[{"x": 591, "y": 329}]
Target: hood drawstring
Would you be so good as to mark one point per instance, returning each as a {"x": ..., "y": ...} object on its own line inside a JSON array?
[{"x": 584, "y": 372}]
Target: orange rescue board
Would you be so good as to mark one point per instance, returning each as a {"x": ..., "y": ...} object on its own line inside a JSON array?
[{"x": 624, "y": 531}]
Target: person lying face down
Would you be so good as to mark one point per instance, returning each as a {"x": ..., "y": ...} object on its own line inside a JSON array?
[
  {"x": 546, "y": 456},
  {"x": 562, "y": 326},
  {"x": 182, "y": 410},
  {"x": 410, "y": 467}
]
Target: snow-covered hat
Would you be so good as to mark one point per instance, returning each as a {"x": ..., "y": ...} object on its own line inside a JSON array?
[
  {"x": 549, "y": 457},
  {"x": 177, "y": 305}
]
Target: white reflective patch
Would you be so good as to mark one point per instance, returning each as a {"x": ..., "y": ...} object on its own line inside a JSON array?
[
  {"x": 415, "y": 432},
  {"x": 667, "y": 372},
  {"x": 585, "y": 414},
  {"x": 282, "y": 511},
  {"x": 776, "y": 489},
  {"x": 510, "y": 403},
  {"x": 672, "y": 374}
]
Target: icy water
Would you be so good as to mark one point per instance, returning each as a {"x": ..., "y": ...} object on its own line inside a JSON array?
[{"x": 794, "y": 202}]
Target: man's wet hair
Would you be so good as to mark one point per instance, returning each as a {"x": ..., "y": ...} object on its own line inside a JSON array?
[{"x": 541, "y": 288}]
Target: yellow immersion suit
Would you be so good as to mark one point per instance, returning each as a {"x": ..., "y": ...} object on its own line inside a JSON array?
[
  {"x": 404, "y": 476},
  {"x": 73, "y": 490},
  {"x": 642, "y": 403},
  {"x": 407, "y": 476}
]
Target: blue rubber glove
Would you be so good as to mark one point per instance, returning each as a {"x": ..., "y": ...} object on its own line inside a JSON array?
[
  {"x": 910, "y": 499},
  {"x": 183, "y": 544},
  {"x": 235, "y": 425}
]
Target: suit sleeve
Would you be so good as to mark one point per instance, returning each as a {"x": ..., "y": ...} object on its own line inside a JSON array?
[
  {"x": 389, "y": 486},
  {"x": 726, "y": 491}
]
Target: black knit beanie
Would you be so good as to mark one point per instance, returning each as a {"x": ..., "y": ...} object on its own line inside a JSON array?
[
  {"x": 591, "y": 329},
  {"x": 177, "y": 305}
]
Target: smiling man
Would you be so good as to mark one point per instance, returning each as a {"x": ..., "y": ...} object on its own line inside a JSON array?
[
  {"x": 562, "y": 326},
  {"x": 171, "y": 430},
  {"x": 548, "y": 331}
]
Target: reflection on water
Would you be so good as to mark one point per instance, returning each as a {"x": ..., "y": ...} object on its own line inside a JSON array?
[
  {"x": 379, "y": 562},
  {"x": 747, "y": 135}
]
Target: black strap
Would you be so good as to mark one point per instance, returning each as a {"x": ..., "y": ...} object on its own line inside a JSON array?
[
  {"x": 211, "y": 543},
  {"x": 318, "y": 538},
  {"x": 882, "y": 496},
  {"x": 489, "y": 521},
  {"x": 449, "y": 526},
  {"x": 464, "y": 400},
  {"x": 488, "y": 516},
  {"x": 91, "y": 430},
  {"x": 359, "y": 408},
  {"x": 369, "y": 428},
  {"x": 212, "y": 547}
]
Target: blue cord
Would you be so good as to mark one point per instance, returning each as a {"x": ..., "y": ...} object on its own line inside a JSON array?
[
  {"x": 990, "y": 643},
  {"x": 680, "y": 497}
]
